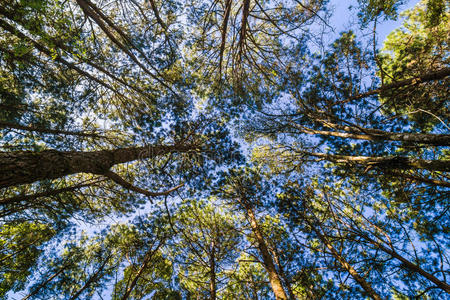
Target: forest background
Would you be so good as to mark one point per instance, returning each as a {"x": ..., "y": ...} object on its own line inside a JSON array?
[{"x": 224, "y": 149}]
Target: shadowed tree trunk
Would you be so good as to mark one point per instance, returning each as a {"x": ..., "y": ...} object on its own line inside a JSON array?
[
  {"x": 27, "y": 167},
  {"x": 212, "y": 266}
]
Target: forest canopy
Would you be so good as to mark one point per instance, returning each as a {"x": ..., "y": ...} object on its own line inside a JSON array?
[{"x": 224, "y": 149}]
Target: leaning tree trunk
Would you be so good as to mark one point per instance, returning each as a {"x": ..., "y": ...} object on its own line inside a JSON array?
[
  {"x": 22, "y": 167},
  {"x": 344, "y": 263},
  {"x": 409, "y": 265},
  {"x": 385, "y": 162},
  {"x": 268, "y": 262}
]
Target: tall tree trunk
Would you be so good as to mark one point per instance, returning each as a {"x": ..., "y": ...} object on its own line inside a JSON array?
[
  {"x": 212, "y": 274},
  {"x": 26, "y": 167},
  {"x": 283, "y": 276},
  {"x": 268, "y": 262}
]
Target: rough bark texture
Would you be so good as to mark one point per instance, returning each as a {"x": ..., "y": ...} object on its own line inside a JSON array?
[
  {"x": 283, "y": 276},
  {"x": 27, "y": 166},
  {"x": 268, "y": 262}
]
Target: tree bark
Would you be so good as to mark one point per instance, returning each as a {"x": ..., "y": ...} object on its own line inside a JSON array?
[
  {"x": 212, "y": 277},
  {"x": 386, "y": 162},
  {"x": 27, "y": 167},
  {"x": 379, "y": 135},
  {"x": 283, "y": 276},
  {"x": 268, "y": 262}
]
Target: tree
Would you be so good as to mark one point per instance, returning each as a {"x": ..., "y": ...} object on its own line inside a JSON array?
[
  {"x": 204, "y": 248},
  {"x": 242, "y": 188},
  {"x": 226, "y": 148}
]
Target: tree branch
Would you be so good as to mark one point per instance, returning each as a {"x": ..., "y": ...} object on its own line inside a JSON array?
[{"x": 122, "y": 182}]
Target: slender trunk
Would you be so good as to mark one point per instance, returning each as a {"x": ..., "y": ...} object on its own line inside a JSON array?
[
  {"x": 269, "y": 264},
  {"x": 27, "y": 167},
  {"x": 224, "y": 34},
  {"x": 362, "y": 282},
  {"x": 283, "y": 276},
  {"x": 157, "y": 16},
  {"x": 48, "y": 193},
  {"x": 36, "y": 290},
  {"x": 4, "y": 124},
  {"x": 379, "y": 135},
  {"x": 243, "y": 29},
  {"x": 91, "y": 279},
  {"x": 386, "y": 162},
  {"x": 212, "y": 267},
  {"x": 440, "y": 74},
  {"x": 141, "y": 270},
  {"x": 409, "y": 265}
]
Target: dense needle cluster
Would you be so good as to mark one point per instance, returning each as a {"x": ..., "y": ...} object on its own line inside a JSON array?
[{"x": 224, "y": 149}]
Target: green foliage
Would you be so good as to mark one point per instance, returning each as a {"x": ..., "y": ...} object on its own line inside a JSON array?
[
  {"x": 21, "y": 245},
  {"x": 340, "y": 183},
  {"x": 420, "y": 46}
]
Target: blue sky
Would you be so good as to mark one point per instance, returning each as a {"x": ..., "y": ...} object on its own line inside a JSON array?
[{"x": 343, "y": 17}]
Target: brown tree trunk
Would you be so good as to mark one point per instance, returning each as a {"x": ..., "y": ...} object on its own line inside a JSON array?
[
  {"x": 283, "y": 276},
  {"x": 212, "y": 277},
  {"x": 268, "y": 262},
  {"x": 378, "y": 135},
  {"x": 386, "y": 162},
  {"x": 27, "y": 167}
]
